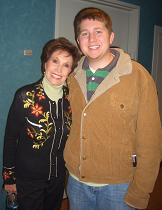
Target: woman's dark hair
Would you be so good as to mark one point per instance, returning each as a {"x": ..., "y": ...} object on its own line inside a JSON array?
[{"x": 60, "y": 43}]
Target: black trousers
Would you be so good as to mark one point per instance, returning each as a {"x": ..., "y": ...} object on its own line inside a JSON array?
[{"x": 40, "y": 195}]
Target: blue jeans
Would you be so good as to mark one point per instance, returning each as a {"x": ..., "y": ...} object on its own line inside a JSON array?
[{"x": 84, "y": 197}]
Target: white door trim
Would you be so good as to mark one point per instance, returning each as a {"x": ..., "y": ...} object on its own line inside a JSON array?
[
  {"x": 157, "y": 33},
  {"x": 157, "y": 63}
]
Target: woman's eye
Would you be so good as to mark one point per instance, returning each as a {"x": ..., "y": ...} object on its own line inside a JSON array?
[
  {"x": 67, "y": 66},
  {"x": 84, "y": 34},
  {"x": 54, "y": 61}
]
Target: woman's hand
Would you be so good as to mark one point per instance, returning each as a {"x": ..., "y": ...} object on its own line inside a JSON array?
[{"x": 11, "y": 188}]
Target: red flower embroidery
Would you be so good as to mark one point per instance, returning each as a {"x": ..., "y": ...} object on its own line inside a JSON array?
[
  {"x": 29, "y": 132},
  {"x": 37, "y": 110},
  {"x": 41, "y": 96},
  {"x": 6, "y": 175}
]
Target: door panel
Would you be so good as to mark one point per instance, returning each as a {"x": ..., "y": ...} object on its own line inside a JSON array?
[{"x": 157, "y": 64}]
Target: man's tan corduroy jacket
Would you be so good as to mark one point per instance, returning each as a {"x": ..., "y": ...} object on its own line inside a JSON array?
[{"x": 119, "y": 121}]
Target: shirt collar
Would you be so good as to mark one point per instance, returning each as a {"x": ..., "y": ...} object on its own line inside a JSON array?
[{"x": 109, "y": 67}]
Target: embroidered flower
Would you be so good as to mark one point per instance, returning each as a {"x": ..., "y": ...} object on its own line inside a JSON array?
[
  {"x": 37, "y": 110},
  {"x": 40, "y": 96},
  {"x": 29, "y": 132},
  {"x": 6, "y": 175},
  {"x": 69, "y": 109}
]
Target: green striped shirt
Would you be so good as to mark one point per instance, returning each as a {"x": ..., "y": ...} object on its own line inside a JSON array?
[{"x": 94, "y": 79}]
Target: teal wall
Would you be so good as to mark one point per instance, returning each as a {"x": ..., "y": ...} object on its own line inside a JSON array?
[
  {"x": 24, "y": 24},
  {"x": 28, "y": 24}
]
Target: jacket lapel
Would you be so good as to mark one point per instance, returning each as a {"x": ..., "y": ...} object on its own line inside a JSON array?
[{"x": 123, "y": 67}]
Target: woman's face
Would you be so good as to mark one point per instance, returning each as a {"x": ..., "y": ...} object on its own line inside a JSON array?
[{"x": 58, "y": 67}]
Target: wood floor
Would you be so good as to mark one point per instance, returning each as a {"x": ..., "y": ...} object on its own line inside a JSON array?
[
  {"x": 65, "y": 205},
  {"x": 155, "y": 202}
]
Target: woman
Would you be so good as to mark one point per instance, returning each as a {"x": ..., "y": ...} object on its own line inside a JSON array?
[{"x": 36, "y": 132}]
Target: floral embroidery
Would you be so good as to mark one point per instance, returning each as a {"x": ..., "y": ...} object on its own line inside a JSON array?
[
  {"x": 8, "y": 174},
  {"x": 37, "y": 110},
  {"x": 40, "y": 95},
  {"x": 38, "y": 132},
  {"x": 68, "y": 116},
  {"x": 68, "y": 113},
  {"x": 30, "y": 133}
]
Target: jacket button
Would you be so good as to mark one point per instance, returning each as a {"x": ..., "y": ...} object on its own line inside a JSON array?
[
  {"x": 122, "y": 106},
  {"x": 84, "y": 158},
  {"x": 83, "y": 177}
]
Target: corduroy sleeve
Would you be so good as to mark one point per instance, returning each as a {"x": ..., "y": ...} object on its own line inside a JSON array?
[{"x": 148, "y": 144}]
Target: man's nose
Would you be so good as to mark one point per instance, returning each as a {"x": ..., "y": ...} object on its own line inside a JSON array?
[{"x": 92, "y": 37}]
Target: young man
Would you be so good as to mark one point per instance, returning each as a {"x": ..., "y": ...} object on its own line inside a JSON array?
[{"x": 114, "y": 148}]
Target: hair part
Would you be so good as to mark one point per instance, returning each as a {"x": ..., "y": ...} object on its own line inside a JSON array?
[
  {"x": 91, "y": 13},
  {"x": 62, "y": 44}
]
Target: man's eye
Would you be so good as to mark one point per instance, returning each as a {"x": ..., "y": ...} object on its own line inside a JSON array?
[{"x": 98, "y": 32}]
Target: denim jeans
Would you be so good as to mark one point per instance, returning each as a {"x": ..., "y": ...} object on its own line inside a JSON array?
[{"x": 84, "y": 197}]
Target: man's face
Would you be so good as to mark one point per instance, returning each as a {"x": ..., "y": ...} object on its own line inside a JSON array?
[{"x": 94, "y": 39}]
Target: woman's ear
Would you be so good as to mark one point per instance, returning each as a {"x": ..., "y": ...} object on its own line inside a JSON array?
[{"x": 44, "y": 68}]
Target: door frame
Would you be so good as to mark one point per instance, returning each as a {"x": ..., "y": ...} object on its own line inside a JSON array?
[
  {"x": 157, "y": 33},
  {"x": 155, "y": 60},
  {"x": 134, "y": 17}
]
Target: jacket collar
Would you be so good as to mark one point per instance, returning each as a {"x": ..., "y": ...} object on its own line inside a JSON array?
[{"x": 123, "y": 67}]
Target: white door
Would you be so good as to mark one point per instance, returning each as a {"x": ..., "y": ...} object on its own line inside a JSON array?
[
  {"x": 125, "y": 18},
  {"x": 157, "y": 63}
]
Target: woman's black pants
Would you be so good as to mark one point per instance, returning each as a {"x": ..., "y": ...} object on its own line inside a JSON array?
[{"x": 40, "y": 195}]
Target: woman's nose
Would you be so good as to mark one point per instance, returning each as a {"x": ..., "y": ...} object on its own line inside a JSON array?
[{"x": 59, "y": 69}]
